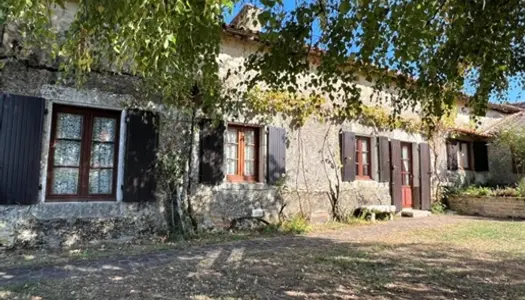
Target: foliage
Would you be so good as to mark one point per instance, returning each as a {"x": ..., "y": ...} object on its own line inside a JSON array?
[
  {"x": 521, "y": 187},
  {"x": 435, "y": 49},
  {"x": 171, "y": 45},
  {"x": 479, "y": 191},
  {"x": 298, "y": 224},
  {"x": 514, "y": 139},
  {"x": 438, "y": 208}
]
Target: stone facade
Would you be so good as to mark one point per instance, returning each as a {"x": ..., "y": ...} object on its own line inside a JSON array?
[
  {"x": 312, "y": 162},
  {"x": 499, "y": 207}
]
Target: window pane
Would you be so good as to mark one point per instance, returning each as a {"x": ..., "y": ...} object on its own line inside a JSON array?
[
  {"x": 404, "y": 153},
  {"x": 65, "y": 181},
  {"x": 104, "y": 129},
  {"x": 357, "y": 169},
  {"x": 249, "y": 137},
  {"x": 249, "y": 168},
  {"x": 231, "y": 166},
  {"x": 102, "y": 155},
  {"x": 249, "y": 152},
  {"x": 69, "y": 126},
  {"x": 67, "y": 153},
  {"x": 364, "y": 145},
  {"x": 100, "y": 181},
  {"x": 232, "y": 136},
  {"x": 365, "y": 157},
  {"x": 365, "y": 170},
  {"x": 406, "y": 179},
  {"x": 463, "y": 152},
  {"x": 405, "y": 166}
]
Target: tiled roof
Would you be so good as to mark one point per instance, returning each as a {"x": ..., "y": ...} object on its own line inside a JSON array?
[
  {"x": 505, "y": 108},
  {"x": 471, "y": 132},
  {"x": 513, "y": 121}
]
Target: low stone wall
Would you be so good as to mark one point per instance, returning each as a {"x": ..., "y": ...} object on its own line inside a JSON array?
[
  {"x": 65, "y": 225},
  {"x": 500, "y": 207}
]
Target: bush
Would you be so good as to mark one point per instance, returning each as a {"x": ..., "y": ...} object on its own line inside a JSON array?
[
  {"x": 474, "y": 190},
  {"x": 297, "y": 225},
  {"x": 521, "y": 187},
  {"x": 438, "y": 208}
]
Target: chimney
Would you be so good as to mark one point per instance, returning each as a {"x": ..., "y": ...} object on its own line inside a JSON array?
[{"x": 247, "y": 18}]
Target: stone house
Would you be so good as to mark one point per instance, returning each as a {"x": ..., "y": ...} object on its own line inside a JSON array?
[{"x": 77, "y": 164}]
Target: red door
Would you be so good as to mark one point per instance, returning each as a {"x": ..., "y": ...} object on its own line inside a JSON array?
[{"x": 406, "y": 174}]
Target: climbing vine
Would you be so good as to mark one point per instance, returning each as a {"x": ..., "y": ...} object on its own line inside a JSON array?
[{"x": 297, "y": 109}]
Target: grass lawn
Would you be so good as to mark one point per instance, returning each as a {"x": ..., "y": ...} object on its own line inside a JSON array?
[{"x": 468, "y": 259}]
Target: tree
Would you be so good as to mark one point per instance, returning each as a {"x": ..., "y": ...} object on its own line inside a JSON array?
[{"x": 427, "y": 50}]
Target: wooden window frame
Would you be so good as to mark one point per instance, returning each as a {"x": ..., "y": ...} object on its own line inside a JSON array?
[
  {"x": 469, "y": 156},
  {"x": 359, "y": 158},
  {"x": 239, "y": 174},
  {"x": 88, "y": 115}
]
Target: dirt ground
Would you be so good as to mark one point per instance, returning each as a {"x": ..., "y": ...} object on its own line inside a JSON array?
[{"x": 440, "y": 257}]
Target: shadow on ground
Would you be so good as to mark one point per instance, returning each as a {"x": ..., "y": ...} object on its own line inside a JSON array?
[{"x": 282, "y": 268}]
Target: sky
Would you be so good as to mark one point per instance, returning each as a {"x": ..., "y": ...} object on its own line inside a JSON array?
[{"x": 515, "y": 93}]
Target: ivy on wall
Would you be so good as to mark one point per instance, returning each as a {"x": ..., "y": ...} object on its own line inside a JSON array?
[{"x": 297, "y": 109}]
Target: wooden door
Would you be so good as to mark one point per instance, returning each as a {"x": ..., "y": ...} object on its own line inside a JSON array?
[{"x": 406, "y": 174}]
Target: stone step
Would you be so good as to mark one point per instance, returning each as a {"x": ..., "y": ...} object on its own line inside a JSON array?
[{"x": 415, "y": 213}]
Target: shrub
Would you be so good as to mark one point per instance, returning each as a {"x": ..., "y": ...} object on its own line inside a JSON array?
[
  {"x": 297, "y": 225},
  {"x": 438, "y": 208},
  {"x": 506, "y": 192},
  {"x": 521, "y": 187},
  {"x": 474, "y": 190}
]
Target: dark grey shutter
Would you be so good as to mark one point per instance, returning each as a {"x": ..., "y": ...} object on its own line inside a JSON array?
[
  {"x": 424, "y": 167},
  {"x": 481, "y": 157},
  {"x": 142, "y": 136},
  {"x": 452, "y": 155},
  {"x": 384, "y": 159},
  {"x": 416, "y": 184},
  {"x": 21, "y": 124},
  {"x": 395, "y": 160},
  {"x": 276, "y": 153},
  {"x": 211, "y": 153},
  {"x": 348, "y": 155}
]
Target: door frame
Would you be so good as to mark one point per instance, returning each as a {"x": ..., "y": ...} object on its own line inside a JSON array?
[{"x": 410, "y": 171}]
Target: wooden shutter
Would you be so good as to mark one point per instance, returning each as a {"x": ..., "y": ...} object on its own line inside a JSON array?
[
  {"x": 348, "y": 156},
  {"x": 452, "y": 155},
  {"x": 211, "y": 153},
  {"x": 142, "y": 136},
  {"x": 416, "y": 184},
  {"x": 276, "y": 158},
  {"x": 424, "y": 167},
  {"x": 384, "y": 159},
  {"x": 395, "y": 159},
  {"x": 21, "y": 124},
  {"x": 481, "y": 157}
]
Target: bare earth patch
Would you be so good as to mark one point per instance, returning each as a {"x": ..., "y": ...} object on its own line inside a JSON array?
[{"x": 446, "y": 257}]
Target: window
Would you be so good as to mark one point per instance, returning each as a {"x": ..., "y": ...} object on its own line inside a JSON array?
[
  {"x": 362, "y": 160},
  {"x": 464, "y": 155},
  {"x": 241, "y": 153},
  {"x": 83, "y": 154}
]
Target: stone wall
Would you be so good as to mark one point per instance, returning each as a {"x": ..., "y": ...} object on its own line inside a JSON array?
[
  {"x": 70, "y": 224},
  {"x": 500, "y": 207}
]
